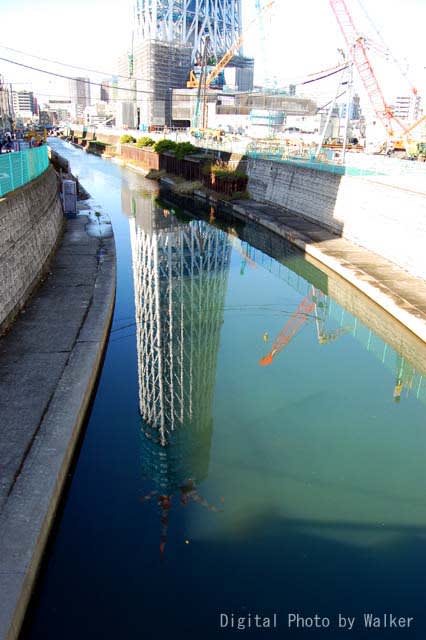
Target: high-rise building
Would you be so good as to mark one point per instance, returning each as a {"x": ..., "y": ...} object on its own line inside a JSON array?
[
  {"x": 24, "y": 103},
  {"x": 106, "y": 90},
  {"x": 6, "y": 105},
  {"x": 354, "y": 108},
  {"x": 80, "y": 95}
]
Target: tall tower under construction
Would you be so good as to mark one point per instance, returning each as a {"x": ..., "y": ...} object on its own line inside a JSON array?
[
  {"x": 189, "y": 22},
  {"x": 168, "y": 40},
  {"x": 180, "y": 271}
]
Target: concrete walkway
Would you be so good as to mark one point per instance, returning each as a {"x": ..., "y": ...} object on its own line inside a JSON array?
[
  {"x": 49, "y": 362},
  {"x": 400, "y": 294}
]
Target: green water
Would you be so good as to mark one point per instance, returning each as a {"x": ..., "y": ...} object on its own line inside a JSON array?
[{"x": 208, "y": 484}]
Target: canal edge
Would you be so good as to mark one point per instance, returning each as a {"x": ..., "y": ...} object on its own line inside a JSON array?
[
  {"x": 403, "y": 311},
  {"x": 26, "y": 527}
]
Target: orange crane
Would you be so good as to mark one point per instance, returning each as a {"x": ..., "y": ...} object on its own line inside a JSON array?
[
  {"x": 314, "y": 302},
  {"x": 294, "y": 324},
  {"x": 205, "y": 81}
]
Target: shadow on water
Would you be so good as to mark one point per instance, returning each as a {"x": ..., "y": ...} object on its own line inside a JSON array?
[{"x": 281, "y": 567}]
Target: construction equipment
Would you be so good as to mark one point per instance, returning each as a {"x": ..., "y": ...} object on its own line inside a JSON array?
[
  {"x": 406, "y": 142},
  {"x": 314, "y": 303},
  {"x": 321, "y": 312},
  {"x": 294, "y": 324},
  {"x": 357, "y": 48},
  {"x": 205, "y": 81}
]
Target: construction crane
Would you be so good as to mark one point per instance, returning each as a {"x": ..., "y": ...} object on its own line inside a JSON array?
[
  {"x": 294, "y": 324},
  {"x": 320, "y": 312},
  {"x": 357, "y": 47},
  {"x": 195, "y": 83},
  {"x": 314, "y": 303}
]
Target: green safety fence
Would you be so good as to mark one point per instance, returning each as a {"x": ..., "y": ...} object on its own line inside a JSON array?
[{"x": 18, "y": 168}]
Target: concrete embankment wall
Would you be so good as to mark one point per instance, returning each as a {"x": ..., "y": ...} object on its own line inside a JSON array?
[
  {"x": 388, "y": 220},
  {"x": 31, "y": 221}
]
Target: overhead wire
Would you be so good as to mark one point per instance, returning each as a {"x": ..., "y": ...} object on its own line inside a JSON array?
[
  {"x": 333, "y": 70},
  {"x": 71, "y": 66},
  {"x": 89, "y": 82}
]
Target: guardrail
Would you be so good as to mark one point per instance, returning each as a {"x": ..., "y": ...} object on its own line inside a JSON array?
[{"x": 18, "y": 168}]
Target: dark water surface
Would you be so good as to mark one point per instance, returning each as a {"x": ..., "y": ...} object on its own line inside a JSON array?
[{"x": 293, "y": 487}]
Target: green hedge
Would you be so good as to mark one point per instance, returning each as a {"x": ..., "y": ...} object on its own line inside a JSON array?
[
  {"x": 180, "y": 149},
  {"x": 164, "y": 145}
]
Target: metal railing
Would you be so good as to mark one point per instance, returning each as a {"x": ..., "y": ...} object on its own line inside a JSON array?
[{"x": 18, "y": 168}]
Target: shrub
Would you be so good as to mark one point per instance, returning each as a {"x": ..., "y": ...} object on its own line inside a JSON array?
[
  {"x": 98, "y": 143},
  {"x": 223, "y": 171},
  {"x": 145, "y": 141},
  {"x": 164, "y": 145},
  {"x": 184, "y": 149},
  {"x": 126, "y": 139}
]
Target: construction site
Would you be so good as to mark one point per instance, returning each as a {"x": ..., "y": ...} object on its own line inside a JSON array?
[{"x": 186, "y": 69}]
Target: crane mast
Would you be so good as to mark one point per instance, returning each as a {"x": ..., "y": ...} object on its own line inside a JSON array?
[{"x": 356, "y": 45}]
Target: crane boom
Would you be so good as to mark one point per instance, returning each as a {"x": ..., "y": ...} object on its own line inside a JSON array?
[
  {"x": 357, "y": 47},
  {"x": 227, "y": 57},
  {"x": 294, "y": 324}
]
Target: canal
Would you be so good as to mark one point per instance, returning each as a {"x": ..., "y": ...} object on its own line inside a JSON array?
[{"x": 256, "y": 445}]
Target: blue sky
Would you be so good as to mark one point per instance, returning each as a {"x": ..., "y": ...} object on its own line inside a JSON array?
[{"x": 299, "y": 38}]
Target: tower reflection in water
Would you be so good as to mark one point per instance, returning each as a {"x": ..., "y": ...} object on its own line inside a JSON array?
[{"x": 180, "y": 271}]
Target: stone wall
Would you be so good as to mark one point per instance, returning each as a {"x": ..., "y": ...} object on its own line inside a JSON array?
[
  {"x": 31, "y": 221},
  {"x": 388, "y": 220}
]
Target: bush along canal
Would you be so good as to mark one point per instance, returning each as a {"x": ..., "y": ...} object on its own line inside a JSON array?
[{"x": 254, "y": 457}]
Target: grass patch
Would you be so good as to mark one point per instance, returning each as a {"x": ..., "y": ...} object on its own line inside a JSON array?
[
  {"x": 187, "y": 187},
  {"x": 155, "y": 174}
]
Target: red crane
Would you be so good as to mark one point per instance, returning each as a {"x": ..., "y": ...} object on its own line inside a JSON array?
[{"x": 356, "y": 45}]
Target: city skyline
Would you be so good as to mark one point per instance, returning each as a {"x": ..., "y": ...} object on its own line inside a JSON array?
[{"x": 316, "y": 48}]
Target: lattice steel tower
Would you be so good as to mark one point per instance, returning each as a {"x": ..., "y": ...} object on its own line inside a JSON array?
[
  {"x": 180, "y": 277},
  {"x": 188, "y": 22}
]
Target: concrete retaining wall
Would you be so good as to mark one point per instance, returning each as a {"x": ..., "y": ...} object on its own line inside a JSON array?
[
  {"x": 388, "y": 220},
  {"x": 31, "y": 221}
]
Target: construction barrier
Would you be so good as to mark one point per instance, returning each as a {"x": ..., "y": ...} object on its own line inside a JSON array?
[{"x": 18, "y": 168}]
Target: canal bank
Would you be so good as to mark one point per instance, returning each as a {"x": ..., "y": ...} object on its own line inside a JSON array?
[
  {"x": 399, "y": 293},
  {"x": 49, "y": 363}
]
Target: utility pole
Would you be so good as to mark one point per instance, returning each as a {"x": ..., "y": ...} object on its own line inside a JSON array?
[{"x": 348, "y": 108}]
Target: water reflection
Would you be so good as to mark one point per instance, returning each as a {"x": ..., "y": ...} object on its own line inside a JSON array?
[
  {"x": 180, "y": 272},
  {"x": 375, "y": 332}
]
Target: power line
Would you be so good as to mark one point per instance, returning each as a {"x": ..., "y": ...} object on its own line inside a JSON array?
[
  {"x": 322, "y": 77},
  {"x": 60, "y": 75},
  {"x": 72, "y": 66}
]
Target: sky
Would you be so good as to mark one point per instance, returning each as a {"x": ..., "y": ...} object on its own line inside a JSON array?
[{"x": 294, "y": 40}]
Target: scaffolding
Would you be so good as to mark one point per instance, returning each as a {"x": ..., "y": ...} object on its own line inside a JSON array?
[
  {"x": 159, "y": 67},
  {"x": 189, "y": 22}
]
